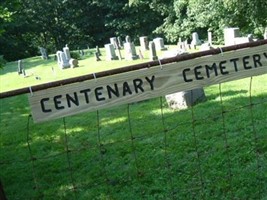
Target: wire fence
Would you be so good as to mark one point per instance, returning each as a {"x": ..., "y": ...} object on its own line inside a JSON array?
[{"x": 216, "y": 149}]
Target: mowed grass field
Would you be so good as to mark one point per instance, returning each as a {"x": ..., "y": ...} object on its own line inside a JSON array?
[{"x": 214, "y": 150}]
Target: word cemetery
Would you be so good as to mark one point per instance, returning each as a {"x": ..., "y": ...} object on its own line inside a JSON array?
[{"x": 147, "y": 83}]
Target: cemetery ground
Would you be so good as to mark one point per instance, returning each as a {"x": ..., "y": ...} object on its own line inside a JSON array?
[{"x": 142, "y": 150}]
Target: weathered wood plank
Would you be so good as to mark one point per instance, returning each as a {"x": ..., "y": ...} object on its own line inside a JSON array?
[{"x": 147, "y": 83}]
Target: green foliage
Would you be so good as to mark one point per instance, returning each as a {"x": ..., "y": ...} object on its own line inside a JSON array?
[
  {"x": 2, "y": 62},
  {"x": 75, "y": 55}
]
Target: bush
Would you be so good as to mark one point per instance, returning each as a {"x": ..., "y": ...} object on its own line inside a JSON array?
[{"x": 75, "y": 55}]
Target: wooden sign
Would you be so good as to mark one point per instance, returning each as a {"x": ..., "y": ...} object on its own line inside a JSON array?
[{"x": 147, "y": 83}]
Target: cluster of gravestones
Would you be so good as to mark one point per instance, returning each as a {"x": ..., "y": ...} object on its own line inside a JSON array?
[
  {"x": 64, "y": 59},
  {"x": 129, "y": 48}
]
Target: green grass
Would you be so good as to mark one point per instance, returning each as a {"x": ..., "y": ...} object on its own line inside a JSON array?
[{"x": 133, "y": 151}]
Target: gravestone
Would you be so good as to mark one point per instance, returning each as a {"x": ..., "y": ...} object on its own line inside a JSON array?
[
  {"x": 195, "y": 39},
  {"x": 67, "y": 53},
  {"x": 265, "y": 34},
  {"x": 128, "y": 39},
  {"x": 62, "y": 60},
  {"x": 98, "y": 51},
  {"x": 130, "y": 51},
  {"x": 120, "y": 43},
  {"x": 159, "y": 44},
  {"x": 140, "y": 54},
  {"x": 110, "y": 52},
  {"x": 82, "y": 52},
  {"x": 20, "y": 67},
  {"x": 114, "y": 41},
  {"x": 152, "y": 51},
  {"x": 210, "y": 37},
  {"x": 185, "y": 99},
  {"x": 144, "y": 43},
  {"x": 229, "y": 35},
  {"x": 73, "y": 63},
  {"x": 43, "y": 52},
  {"x": 97, "y": 56}
]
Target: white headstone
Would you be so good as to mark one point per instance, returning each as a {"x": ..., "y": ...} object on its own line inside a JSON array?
[
  {"x": 195, "y": 39},
  {"x": 114, "y": 41},
  {"x": 210, "y": 37},
  {"x": 159, "y": 44},
  {"x": 229, "y": 36},
  {"x": 43, "y": 52},
  {"x": 67, "y": 53},
  {"x": 130, "y": 51},
  {"x": 110, "y": 52},
  {"x": 144, "y": 43},
  {"x": 62, "y": 61},
  {"x": 265, "y": 34}
]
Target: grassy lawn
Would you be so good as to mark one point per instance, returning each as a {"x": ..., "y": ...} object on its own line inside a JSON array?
[{"x": 138, "y": 151}]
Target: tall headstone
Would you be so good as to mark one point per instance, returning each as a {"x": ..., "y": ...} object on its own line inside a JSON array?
[
  {"x": 229, "y": 36},
  {"x": 152, "y": 51},
  {"x": 128, "y": 39},
  {"x": 265, "y": 34},
  {"x": 97, "y": 58},
  {"x": 20, "y": 67},
  {"x": 210, "y": 37},
  {"x": 144, "y": 43},
  {"x": 110, "y": 52},
  {"x": 67, "y": 53},
  {"x": 98, "y": 51},
  {"x": 130, "y": 51},
  {"x": 43, "y": 52},
  {"x": 159, "y": 44},
  {"x": 195, "y": 39},
  {"x": 120, "y": 43},
  {"x": 62, "y": 60},
  {"x": 114, "y": 41}
]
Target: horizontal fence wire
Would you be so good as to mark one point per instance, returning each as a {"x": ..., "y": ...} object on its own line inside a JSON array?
[{"x": 150, "y": 64}]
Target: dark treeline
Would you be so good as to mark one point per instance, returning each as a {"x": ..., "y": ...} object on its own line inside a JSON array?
[{"x": 27, "y": 24}]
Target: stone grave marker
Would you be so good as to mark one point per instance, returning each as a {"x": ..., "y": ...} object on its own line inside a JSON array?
[
  {"x": 195, "y": 39},
  {"x": 114, "y": 41},
  {"x": 20, "y": 67},
  {"x": 43, "y": 52},
  {"x": 128, "y": 39},
  {"x": 98, "y": 51},
  {"x": 185, "y": 99},
  {"x": 62, "y": 60},
  {"x": 130, "y": 51},
  {"x": 73, "y": 63},
  {"x": 97, "y": 56},
  {"x": 159, "y": 44},
  {"x": 120, "y": 43},
  {"x": 144, "y": 43},
  {"x": 265, "y": 34},
  {"x": 110, "y": 52},
  {"x": 152, "y": 51},
  {"x": 210, "y": 38},
  {"x": 67, "y": 53},
  {"x": 230, "y": 34}
]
